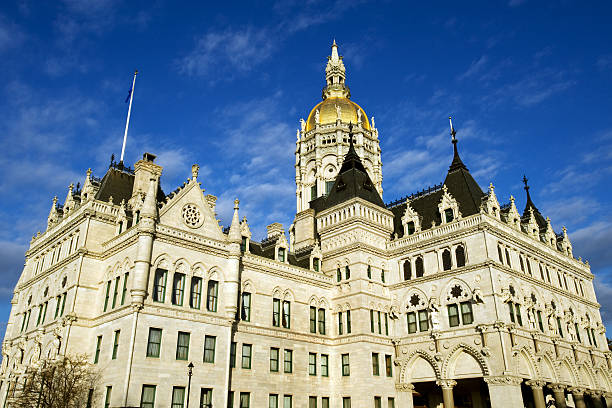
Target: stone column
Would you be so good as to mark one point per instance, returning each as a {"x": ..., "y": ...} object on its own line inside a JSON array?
[
  {"x": 404, "y": 395},
  {"x": 505, "y": 391},
  {"x": 578, "y": 394},
  {"x": 447, "y": 392},
  {"x": 559, "y": 394},
  {"x": 538, "y": 394},
  {"x": 596, "y": 398}
]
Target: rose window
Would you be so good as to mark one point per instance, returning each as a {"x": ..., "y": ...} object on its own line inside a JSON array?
[{"x": 192, "y": 215}]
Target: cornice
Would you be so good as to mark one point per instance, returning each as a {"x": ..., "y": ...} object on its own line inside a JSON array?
[{"x": 284, "y": 270}]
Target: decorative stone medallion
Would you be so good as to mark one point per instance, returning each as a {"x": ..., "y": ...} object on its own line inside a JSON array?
[{"x": 192, "y": 216}]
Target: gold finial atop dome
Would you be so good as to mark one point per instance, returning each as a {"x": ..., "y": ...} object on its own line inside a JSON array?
[{"x": 335, "y": 76}]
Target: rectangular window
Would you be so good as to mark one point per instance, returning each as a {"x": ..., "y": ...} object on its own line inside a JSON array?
[
  {"x": 338, "y": 275},
  {"x": 312, "y": 402},
  {"x": 390, "y": 402},
  {"x": 58, "y": 302},
  {"x": 273, "y": 401},
  {"x": 371, "y": 320},
  {"x": 243, "y": 244},
  {"x": 159, "y": 285},
  {"x": 233, "y": 355},
  {"x": 116, "y": 291},
  {"x": 274, "y": 352},
  {"x": 98, "y": 347},
  {"x": 276, "y": 312},
  {"x": 182, "y": 346},
  {"x": 287, "y": 401},
  {"x": 453, "y": 315},
  {"x": 511, "y": 309},
  {"x": 315, "y": 264},
  {"x": 245, "y": 400},
  {"x": 346, "y": 402},
  {"x": 379, "y": 323},
  {"x": 286, "y": 314},
  {"x": 40, "y": 309},
  {"x": 388, "y": 366},
  {"x": 230, "y": 399},
  {"x": 44, "y": 313},
  {"x": 281, "y": 254},
  {"x": 210, "y": 343},
  {"x": 466, "y": 313},
  {"x": 577, "y": 329},
  {"x": 124, "y": 291},
  {"x": 246, "y": 356},
  {"x": 412, "y": 322},
  {"x": 211, "y": 293},
  {"x": 519, "y": 318},
  {"x": 154, "y": 342},
  {"x": 245, "y": 312},
  {"x": 423, "y": 320},
  {"x": 375, "y": 368},
  {"x": 386, "y": 324},
  {"x": 107, "y": 296},
  {"x": 195, "y": 298},
  {"x": 325, "y": 402},
  {"x": 382, "y": 278},
  {"x": 313, "y": 319},
  {"x": 369, "y": 272},
  {"x": 321, "y": 313},
  {"x": 312, "y": 363},
  {"x": 346, "y": 367},
  {"x": 63, "y": 304},
  {"x": 347, "y": 272},
  {"x": 377, "y": 402},
  {"x": 147, "y": 398},
  {"x": 90, "y": 395},
  {"x": 448, "y": 214},
  {"x": 328, "y": 186},
  {"x": 107, "y": 396},
  {"x": 340, "y": 324},
  {"x": 288, "y": 368},
  {"x": 116, "y": 344},
  {"x": 178, "y": 397},
  {"x": 592, "y": 336},
  {"x": 206, "y": 398},
  {"x": 540, "y": 323},
  {"x": 324, "y": 365},
  {"x": 178, "y": 287},
  {"x": 348, "y": 321}
]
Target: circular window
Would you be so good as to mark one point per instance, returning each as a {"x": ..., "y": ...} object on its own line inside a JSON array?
[{"x": 192, "y": 215}]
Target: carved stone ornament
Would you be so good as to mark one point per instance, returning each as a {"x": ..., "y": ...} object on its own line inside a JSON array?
[
  {"x": 446, "y": 383},
  {"x": 557, "y": 387},
  {"x": 503, "y": 380},
  {"x": 535, "y": 383},
  {"x": 404, "y": 387},
  {"x": 192, "y": 216}
]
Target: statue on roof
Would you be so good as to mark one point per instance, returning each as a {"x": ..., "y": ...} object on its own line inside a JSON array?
[{"x": 317, "y": 116}]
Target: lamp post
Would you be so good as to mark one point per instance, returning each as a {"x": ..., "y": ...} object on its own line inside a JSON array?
[{"x": 190, "y": 373}]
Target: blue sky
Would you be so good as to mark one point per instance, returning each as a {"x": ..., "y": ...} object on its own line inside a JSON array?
[{"x": 529, "y": 85}]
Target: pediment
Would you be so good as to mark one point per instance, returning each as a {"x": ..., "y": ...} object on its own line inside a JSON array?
[{"x": 189, "y": 210}]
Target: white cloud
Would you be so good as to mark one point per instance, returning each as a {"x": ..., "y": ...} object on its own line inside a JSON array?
[{"x": 474, "y": 68}]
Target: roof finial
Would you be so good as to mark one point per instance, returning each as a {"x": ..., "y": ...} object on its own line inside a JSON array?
[
  {"x": 525, "y": 180},
  {"x": 350, "y": 134},
  {"x": 457, "y": 163}
]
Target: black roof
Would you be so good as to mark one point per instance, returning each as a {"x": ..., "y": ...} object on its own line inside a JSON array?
[
  {"x": 352, "y": 181},
  {"x": 118, "y": 182},
  {"x": 536, "y": 213},
  {"x": 459, "y": 183}
]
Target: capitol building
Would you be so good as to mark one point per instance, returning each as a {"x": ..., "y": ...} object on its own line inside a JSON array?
[{"x": 448, "y": 297}]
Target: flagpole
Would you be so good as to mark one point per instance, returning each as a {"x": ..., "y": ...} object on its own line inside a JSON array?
[{"x": 127, "y": 122}]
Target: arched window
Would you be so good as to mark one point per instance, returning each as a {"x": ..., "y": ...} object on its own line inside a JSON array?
[
  {"x": 407, "y": 270},
  {"x": 460, "y": 256},
  {"x": 446, "y": 260},
  {"x": 420, "y": 269}
]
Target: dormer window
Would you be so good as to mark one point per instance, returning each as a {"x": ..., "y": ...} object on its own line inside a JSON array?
[
  {"x": 243, "y": 244},
  {"x": 448, "y": 215},
  {"x": 410, "y": 228},
  {"x": 315, "y": 264},
  {"x": 281, "y": 254}
]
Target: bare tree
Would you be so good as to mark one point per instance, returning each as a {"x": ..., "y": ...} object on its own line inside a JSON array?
[{"x": 65, "y": 382}]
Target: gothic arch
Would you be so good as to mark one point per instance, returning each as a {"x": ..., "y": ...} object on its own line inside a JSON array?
[
  {"x": 455, "y": 353},
  {"x": 216, "y": 274},
  {"x": 412, "y": 360},
  {"x": 413, "y": 291},
  {"x": 127, "y": 264},
  {"x": 548, "y": 371},
  {"x": 313, "y": 301},
  {"x": 568, "y": 373},
  {"x": 324, "y": 303},
  {"x": 248, "y": 286},
  {"x": 162, "y": 261},
  {"x": 444, "y": 294},
  {"x": 602, "y": 374},
  {"x": 181, "y": 266},
  {"x": 587, "y": 376},
  {"x": 198, "y": 269},
  {"x": 524, "y": 355}
]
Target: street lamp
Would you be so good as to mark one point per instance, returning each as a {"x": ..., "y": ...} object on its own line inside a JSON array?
[{"x": 190, "y": 373}]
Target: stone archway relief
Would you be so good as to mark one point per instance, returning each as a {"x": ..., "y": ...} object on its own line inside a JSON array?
[
  {"x": 420, "y": 366},
  {"x": 464, "y": 361}
]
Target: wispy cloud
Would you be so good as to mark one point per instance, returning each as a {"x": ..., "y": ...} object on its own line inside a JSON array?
[
  {"x": 240, "y": 50},
  {"x": 11, "y": 35},
  {"x": 474, "y": 68}
]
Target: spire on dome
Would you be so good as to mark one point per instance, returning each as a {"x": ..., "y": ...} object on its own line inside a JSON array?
[
  {"x": 335, "y": 76},
  {"x": 457, "y": 163}
]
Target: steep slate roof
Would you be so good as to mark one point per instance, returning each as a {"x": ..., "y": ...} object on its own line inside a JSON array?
[
  {"x": 352, "y": 181},
  {"x": 460, "y": 184},
  {"x": 536, "y": 213},
  {"x": 116, "y": 183}
]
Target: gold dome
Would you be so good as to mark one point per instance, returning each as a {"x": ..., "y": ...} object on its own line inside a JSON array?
[{"x": 328, "y": 114}]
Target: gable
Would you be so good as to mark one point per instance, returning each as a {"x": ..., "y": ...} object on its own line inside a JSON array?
[{"x": 188, "y": 210}]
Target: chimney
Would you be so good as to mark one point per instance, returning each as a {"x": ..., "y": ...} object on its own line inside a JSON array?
[{"x": 275, "y": 229}]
